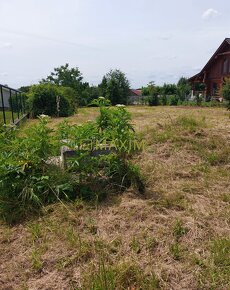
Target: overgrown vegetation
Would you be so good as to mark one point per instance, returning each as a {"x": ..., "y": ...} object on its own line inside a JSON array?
[
  {"x": 29, "y": 178},
  {"x": 51, "y": 100},
  {"x": 226, "y": 91},
  {"x": 176, "y": 235}
]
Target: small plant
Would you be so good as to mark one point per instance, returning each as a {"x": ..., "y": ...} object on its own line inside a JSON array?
[
  {"x": 226, "y": 91},
  {"x": 220, "y": 249},
  {"x": 35, "y": 231},
  {"x": 176, "y": 251},
  {"x": 122, "y": 276},
  {"x": 179, "y": 230},
  {"x": 135, "y": 245},
  {"x": 36, "y": 259}
]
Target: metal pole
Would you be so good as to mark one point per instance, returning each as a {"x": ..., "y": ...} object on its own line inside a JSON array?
[
  {"x": 21, "y": 105},
  {"x": 11, "y": 104},
  {"x": 3, "y": 107},
  {"x": 17, "y": 104}
]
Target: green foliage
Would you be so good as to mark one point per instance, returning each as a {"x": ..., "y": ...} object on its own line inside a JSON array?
[
  {"x": 29, "y": 179},
  {"x": 176, "y": 251},
  {"x": 123, "y": 276},
  {"x": 169, "y": 89},
  {"x": 183, "y": 89},
  {"x": 65, "y": 76},
  {"x": 101, "y": 101},
  {"x": 26, "y": 180},
  {"x": 179, "y": 230},
  {"x": 153, "y": 99},
  {"x": 51, "y": 100},
  {"x": 173, "y": 100},
  {"x": 226, "y": 91},
  {"x": 115, "y": 87}
]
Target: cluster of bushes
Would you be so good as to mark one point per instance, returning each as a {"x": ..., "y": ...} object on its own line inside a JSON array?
[
  {"x": 52, "y": 100},
  {"x": 180, "y": 94},
  {"x": 29, "y": 179},
  {"x": 64, "y": 90},
  {"x": 173, "y": 100}
]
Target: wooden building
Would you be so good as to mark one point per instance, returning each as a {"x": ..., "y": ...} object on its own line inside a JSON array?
[{"x": 210, "y": 79}]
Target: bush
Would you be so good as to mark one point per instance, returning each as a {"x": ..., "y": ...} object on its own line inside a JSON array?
[
  {"x": 28, "y": 180},
  {"x": 226, "y": 91},
  {"x": 51, "y": 100},
  {"x": 173, "y": 100},
  {"x": 153, "y": 100}
]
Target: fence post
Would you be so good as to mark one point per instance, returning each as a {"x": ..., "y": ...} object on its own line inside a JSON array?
[
  {"x": 17, "y": 104},
  {"x": 21, "y": 105},
  {"x": 3, "y": 107},
  {"x": 11, "y": 104}
]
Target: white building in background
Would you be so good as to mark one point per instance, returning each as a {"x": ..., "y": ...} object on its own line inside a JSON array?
[{"x": 6, "y": 98}]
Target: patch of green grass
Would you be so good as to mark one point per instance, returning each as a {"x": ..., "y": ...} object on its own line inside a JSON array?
[
  {"x": 176, "y": 251},
  {"x": 135, "y": 245},
  {"x": 151, "y": 243},
  {"x": 175, "y": 201},
  {"x": 189, "y": 123},
  {"x": 72, "y": 237},
  {"x": 179, "y": 230},
  {"x": 216, "y": 273},
  {"x": 36, "y": 259},
  {"x": 35, "y": 230},
  {"x": 225, "y": 197},
  {"x": 120, "y": 277},
  {"x": 220, "y": 250}
]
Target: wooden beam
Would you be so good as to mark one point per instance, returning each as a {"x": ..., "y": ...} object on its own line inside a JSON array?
[{"x": 224, "y": 53}]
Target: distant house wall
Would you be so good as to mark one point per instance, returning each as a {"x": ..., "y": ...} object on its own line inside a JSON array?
[
  {"x": 135, "y": 97},
  {"x": 6, "y": 99}
]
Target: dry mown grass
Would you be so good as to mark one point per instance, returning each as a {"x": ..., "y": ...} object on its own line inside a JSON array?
[{"x": 177, "y": 236}]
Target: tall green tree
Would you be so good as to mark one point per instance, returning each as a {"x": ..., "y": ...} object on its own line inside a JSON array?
[
  {"x": 169, "y": 89},
  {"x": 183, "y": 88},
  {"x": 115, "y": 87},
  {"x": 66, "y": 76}
]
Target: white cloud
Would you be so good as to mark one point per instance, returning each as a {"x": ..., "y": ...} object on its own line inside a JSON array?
[
  {"x": 210, "y": 14},
  {"x": 5, "y": 45},
  {"x": 165, "y": 37},
  {"x": 4, "y": 74}
]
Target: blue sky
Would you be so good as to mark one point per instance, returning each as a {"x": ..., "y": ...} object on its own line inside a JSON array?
[{"x": 148, "y": 40}]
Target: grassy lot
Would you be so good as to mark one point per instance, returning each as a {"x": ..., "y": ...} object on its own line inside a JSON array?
[
  {"x": 176, "y": 236},
  {"x": 8, "y": 116}
]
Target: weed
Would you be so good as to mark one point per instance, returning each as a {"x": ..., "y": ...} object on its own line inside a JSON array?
[
  {"x": 151, "y": 243},
  {"x": 135, "y": 245},
  {"x": 36, "y": 259},
  {"x": 220, "y": 249},
  {"x": 35, "y": 231},
  {"x": 172, "y": 201},
  {"x": 122, "y": 276},
  {"x": 179, "y": 230},
  {"x": 176, "y": 251}
]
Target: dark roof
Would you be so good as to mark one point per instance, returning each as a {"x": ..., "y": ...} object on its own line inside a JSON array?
[
  {"x": 226, "y": 40},
  {"x": 136, "y": 92}
]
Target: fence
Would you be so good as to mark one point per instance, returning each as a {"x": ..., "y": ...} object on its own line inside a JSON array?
[{"x": 12, "y": 105}]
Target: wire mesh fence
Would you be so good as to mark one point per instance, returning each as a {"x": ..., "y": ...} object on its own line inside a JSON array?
[{"x": 12, "y": 105}]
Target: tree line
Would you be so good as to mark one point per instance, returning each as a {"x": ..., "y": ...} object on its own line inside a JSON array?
[{"x": 64, "y": 90}]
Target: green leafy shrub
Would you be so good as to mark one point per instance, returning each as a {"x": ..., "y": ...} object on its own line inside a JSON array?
[
  {"x": 153, "y": 100},
  {"x": 173, "y": 100},
  {"x": 51, "y": 100},
  {"x": 29, "y": 179},
  {"x": 26, "y": 180},
  {"x": 226, "y": 91}
]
